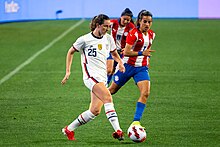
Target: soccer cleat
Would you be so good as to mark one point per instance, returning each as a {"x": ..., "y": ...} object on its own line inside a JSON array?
[
  {"x": 137, "y": 123},
  {"x": 118, "y": 135},
  {"x": 68, "y": 133}
]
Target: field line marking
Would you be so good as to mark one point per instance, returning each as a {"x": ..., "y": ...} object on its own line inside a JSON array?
[{"x": 29, "y": 60}]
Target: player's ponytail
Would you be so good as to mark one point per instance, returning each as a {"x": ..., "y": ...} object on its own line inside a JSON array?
[{"x": 93, "y": 24}]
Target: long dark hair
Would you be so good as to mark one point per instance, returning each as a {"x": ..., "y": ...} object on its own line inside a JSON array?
[
  {"x": 99, "y": 19},
  {"x": 141, "y": 14}
]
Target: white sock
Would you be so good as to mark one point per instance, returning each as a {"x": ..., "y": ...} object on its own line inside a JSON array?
[
  {"x": 112, "y": 115},
  {"x": 82, "y": 119}
]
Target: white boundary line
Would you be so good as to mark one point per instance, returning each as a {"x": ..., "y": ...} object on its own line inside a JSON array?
[{"x": 29, "y": 60}]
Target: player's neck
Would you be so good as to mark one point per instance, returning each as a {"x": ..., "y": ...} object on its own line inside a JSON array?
[
  {"x": 97, "y": 34},
  {"x": 143, "y": 32}
]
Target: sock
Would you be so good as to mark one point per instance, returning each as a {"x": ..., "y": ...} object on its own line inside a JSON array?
[
  {"x": 139, "y": 111},
  {"x": 109, "y": 79},
  {"x": 112, "y": 116},
  {"x": 82, "y": 119}
]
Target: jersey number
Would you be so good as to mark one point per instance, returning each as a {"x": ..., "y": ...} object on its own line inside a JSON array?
[
  {"x": 92, "y": 52},
  {"x": 118, "y": 37}
]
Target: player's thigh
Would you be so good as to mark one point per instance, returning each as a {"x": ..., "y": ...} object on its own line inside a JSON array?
[
  {"x": 114, "y": 88},
  {"x": 101, "y": 91},
  {"x": 120, "y": 78},
  {"x": 95, "y": 105},
  {"x": 144, "y": 87}
]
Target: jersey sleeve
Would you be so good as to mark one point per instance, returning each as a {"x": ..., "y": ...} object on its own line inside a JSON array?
[
  {"x": 154, "y": 35},
  {"x": 79, "y": 44},
  {"x": 131, "y": 37},
  {"x": 112, "y": 45}
]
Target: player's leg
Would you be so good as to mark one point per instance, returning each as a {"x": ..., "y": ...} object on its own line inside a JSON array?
[
  {"x": 143, "y": 82},
  {"x": 114, "y": 88},
  {"x": 95, "y": 105},
  {"x": 90, "y": 114},
  {"x": 144, "y": 87},
  {"x": 86, "y": 116},
  {"x": 102, "y": 93},
  {"x": 110, "y": 68},
  {"x": 120, "y": 79},
  {"x": 82, "y": 119}
]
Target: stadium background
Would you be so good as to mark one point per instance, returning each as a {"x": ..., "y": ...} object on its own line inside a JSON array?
[{"x": 40, "y": 9}]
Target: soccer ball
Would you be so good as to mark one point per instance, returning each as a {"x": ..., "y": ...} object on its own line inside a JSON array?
[{"x": 137, "y": 133}]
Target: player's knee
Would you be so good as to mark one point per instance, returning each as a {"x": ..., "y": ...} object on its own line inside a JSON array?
[
  {"x": 95, "y": 111},
  {"x": 145, "y": 94},
  {"x": 112, "y": 90},
  {"x": 106, "y": 97}
]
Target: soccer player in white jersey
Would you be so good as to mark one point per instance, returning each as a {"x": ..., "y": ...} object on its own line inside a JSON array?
[
  {"x": 94, "y": 48},
  {"x": 137, "y": 53},
  {"x": 119, "y": 30}
]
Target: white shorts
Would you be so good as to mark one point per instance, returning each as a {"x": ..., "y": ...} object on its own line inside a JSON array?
[{"x": 90, "y": 82}]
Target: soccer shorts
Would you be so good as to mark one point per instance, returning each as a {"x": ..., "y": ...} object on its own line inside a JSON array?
[
  {"x": 110, "y": 56},
  {"x": 138, "y": 74},
  {"x": 90, "y": 82}
]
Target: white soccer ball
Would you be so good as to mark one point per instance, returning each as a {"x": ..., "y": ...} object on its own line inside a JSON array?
[{"x": 137, "y": 133}]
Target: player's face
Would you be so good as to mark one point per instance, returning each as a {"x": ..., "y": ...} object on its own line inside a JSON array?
[
  {"x": 125, "y": 20},
  {"x": 145, "y": 23},
  {"x": 104, "y": 28}
]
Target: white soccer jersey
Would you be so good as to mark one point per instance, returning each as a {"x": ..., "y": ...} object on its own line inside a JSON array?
[{"x": 94, "y": 52}]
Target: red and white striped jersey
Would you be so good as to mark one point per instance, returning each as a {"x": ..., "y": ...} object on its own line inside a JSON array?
[
  {"x": 139, "y": 42},
  {"x": 120, "y": 33}
]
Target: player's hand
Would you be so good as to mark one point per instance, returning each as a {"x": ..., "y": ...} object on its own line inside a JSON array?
[
  {"x": 121, "y": 67},
  {"x": 147, "y": 52},
  {"x": 122, "y": 51},
  {"x": 66, "y": 77}
]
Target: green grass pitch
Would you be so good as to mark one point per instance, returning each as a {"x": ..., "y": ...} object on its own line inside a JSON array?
[{"x": 183, "y": 108}]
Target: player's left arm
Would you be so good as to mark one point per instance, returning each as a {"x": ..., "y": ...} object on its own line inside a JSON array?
[{"x": 117, "y": 58}]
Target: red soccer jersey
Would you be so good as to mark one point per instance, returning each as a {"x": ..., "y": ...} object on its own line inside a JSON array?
[
  {"x": 120, "y": 33},
  {"x": 139, "y": 42}
]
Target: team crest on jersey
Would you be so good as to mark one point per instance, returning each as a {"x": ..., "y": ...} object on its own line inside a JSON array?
[{"x": 100, "y": 46}]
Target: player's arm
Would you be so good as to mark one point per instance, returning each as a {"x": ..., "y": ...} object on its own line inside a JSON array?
[
  {"x": 117, "y": 58},
  {"x": 130, "y": 53},
  {"x": 130, "y": 41},
  {"x": 69, "y": 58}
]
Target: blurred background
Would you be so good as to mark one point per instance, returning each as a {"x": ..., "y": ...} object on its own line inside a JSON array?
[{"x": 21, "y": 10}]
